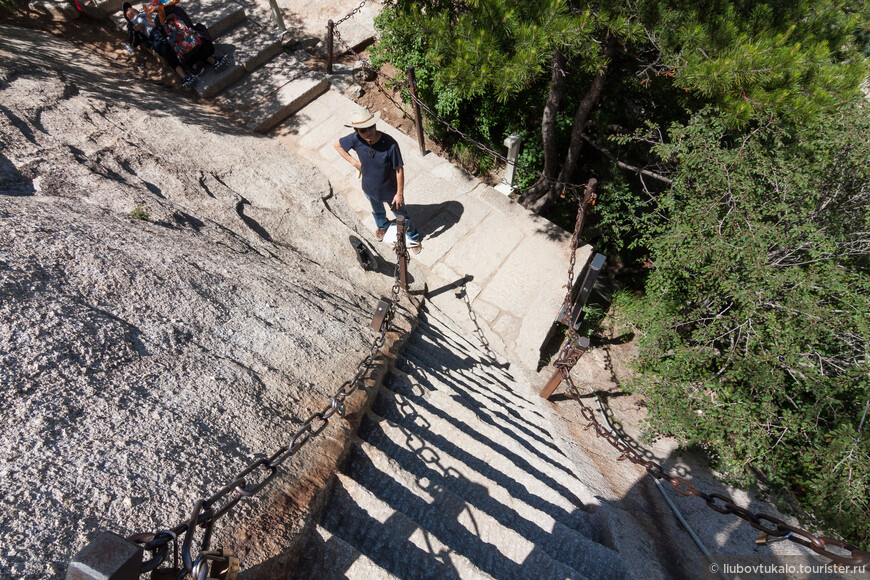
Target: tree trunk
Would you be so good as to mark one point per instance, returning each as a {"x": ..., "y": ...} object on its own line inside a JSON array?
[
  {"x": 545, "y": 199},
  {"x": 548, "y": 130}
]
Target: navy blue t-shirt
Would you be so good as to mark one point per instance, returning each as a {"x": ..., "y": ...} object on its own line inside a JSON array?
[{"x": 379, "y": 164}]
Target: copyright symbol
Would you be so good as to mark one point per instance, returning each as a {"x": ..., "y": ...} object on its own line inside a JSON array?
[{"x": 714, "y": 568}]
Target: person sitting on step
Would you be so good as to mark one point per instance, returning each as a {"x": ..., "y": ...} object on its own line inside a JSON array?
[
  {"x": 141, "y": 31},
  {"x": 192, "y": 42}
]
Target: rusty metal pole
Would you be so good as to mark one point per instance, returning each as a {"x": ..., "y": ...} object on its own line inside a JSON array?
[
  {"x": 330, "y": 30},
  {"x": 401, "y": 251},
  {"x": 575, "y": 351},
  {"x": 418, "y": 118}
]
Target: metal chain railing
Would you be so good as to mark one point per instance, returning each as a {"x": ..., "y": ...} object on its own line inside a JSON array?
[
  {"x": 767, "y": 524},
  {"x": 258, "y": 474}
]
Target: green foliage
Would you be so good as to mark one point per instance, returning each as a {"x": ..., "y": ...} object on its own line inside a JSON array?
[
  {"x": 140, "y": 213},
  {"x": 793, "y": 58},
  {"x": 755, "y": 324}
]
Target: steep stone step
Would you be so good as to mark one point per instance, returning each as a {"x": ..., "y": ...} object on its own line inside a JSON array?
[
  {"x": 248, "y": 47},
  {"x": 576, "y": 546},
  {"x": 272, "y": 93},
  {"x": 523, "y": 419},
  {"x": 388, "y": 537},
  {"x": 482, "y": 539},
  {"x": 357, "y": 31},
  {"x": 432, "y": 325},
  {"x": 477, "y": 436},
  {"x": 430, "y": 375},
  {"x": 443, "y": 412},
  {"x": 328, "y": 557},
  {"x": 404, "y": 446}
]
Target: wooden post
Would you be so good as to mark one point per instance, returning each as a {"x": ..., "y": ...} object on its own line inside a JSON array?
[
  {"x": 330, "y": 27},
  {"x": 419, "y": 119}
]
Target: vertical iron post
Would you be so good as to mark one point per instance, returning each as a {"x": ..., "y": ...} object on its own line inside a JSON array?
[
  {"x": 402, "y": 251},
  {"x": 417, "y": 117},
  {"x": 330, "y": 28}
]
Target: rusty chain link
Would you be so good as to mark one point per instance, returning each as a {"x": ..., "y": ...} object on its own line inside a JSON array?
[
  {"x": 259, "y": 473},
  {"x": 718, "y": 502}
]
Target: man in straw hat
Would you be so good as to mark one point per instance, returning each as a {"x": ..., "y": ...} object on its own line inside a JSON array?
[{"x": 382, "y": 170}]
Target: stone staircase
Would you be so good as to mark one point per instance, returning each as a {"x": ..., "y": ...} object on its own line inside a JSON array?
[
  {"x": 263, "y": 84},
  {"x": 454, "y": 474}
]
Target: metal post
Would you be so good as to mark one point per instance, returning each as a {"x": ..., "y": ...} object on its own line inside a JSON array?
[
  {"x": 419, "y": 120},
  {"x": 330, "y": 28},
  {"x": 575, "y": 351},
  {"x": 279, "y": 20},
  {"x": 401, "y": 252},
  {"x": 107, "y": 557},
  {"x": 506, "y": 185}
]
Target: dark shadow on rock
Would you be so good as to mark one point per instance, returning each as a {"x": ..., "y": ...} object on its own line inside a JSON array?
[
  {"x": 251, "y": 222},
  {"x": 19, "y": 124},
  {"x": 11, "y": 181}
]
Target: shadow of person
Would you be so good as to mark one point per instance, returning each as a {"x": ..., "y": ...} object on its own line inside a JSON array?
[{"x": 432, "y": 220}]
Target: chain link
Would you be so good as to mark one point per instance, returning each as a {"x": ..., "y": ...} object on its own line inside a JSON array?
[
  {"x": 208, "y": 511},
  {"x": 566, "y": 361}
]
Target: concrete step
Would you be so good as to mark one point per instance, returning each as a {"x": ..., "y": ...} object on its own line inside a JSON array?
[
  {"x": 272, "y": 93},
  {"x": 527, "y": 497},
  {"x": 444, "y": 352},
  {"x": 219, "y": 16},
  {"x": 328, "y": 557},
  {"x": 440, "y": 324},
  {"x": 357, "y": 31},
  {"x": 519, "y": 413},
  {"x": 459, "y": 432},
  {"x": 388, "y": 537},
  {"x": 493, "y": 547},
  {"x": 429, "y": 373},
  {"x": 576, "y": 545},
  {"x": 248, "y": 47}
]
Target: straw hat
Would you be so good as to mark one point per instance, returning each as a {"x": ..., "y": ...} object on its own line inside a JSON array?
[{"x": 363, "y": 118}]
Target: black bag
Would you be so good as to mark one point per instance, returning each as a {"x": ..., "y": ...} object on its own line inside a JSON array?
[{"x": 203, "y": 31}]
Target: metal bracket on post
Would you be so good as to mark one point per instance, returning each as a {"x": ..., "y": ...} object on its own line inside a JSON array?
[
  {"x": 575, "y": 351},
  {"x": 380, "y": 314},
  {"x": 107, "y": 557},
  {"x": 574, "y": 318},
  {"x": 402, "y": 252}
]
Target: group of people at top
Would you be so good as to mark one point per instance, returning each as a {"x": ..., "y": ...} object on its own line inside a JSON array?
[{"x": 166, "y": 29}]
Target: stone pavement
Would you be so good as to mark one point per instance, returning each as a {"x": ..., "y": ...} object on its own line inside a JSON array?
[{"x": 512, "y": 264}]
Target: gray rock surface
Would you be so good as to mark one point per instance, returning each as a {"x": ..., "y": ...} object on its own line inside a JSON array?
[{"x": 145, "y": 362}]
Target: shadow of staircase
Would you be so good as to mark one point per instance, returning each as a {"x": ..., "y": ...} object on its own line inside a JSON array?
[{"x": 454, "y": 474}]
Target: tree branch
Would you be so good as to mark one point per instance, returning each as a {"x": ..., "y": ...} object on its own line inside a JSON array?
[{"x": 625, "y": 166}]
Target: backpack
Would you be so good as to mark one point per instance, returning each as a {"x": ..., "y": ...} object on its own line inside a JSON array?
[{"x": 182, "y": 38}]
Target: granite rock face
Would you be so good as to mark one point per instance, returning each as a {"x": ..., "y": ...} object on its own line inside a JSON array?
[{"x": 177, "y": 296}]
